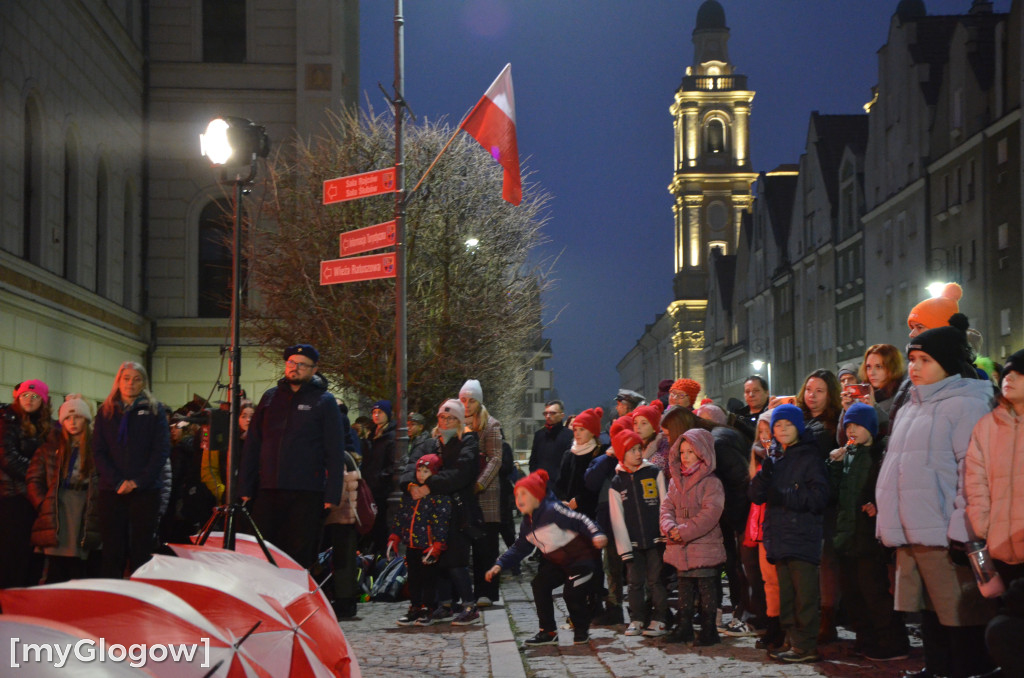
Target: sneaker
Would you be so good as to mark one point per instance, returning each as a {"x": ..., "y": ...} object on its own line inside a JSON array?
[
  {"x": 426, "y": 619},
  {"x": 542, "y": 638},
  {"x": 635, "y": 628},
  {"x": 441, "y": 615},
  {"x": 467, "y": 616},
  {"x": 796, "y": 656},
  {"x": 655, "y": 629},
  {"x": 877, "y": 654},
  {"x": 740, "y": 629},
  {"x": 410, "y": 617},
  {"x": 580, "y": 637},
  {"x": 778, "y": 650},
  {"x": 483, "y": 601}
]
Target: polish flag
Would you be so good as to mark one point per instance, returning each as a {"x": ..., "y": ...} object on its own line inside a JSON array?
[{"x": 492, "y": 122}]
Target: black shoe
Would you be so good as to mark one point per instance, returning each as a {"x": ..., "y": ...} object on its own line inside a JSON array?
[
  {"x": 410, "y": 617},
  {"x": 580, "y": 637},
  {"x": 708, "y": 637},
  {"x": 344, "y": 608},
  {"x": 610, "y": 617},
  {"x": 542, "y": 638},
  {"x": 879, "y": 654},
  {"x": 680, "y": 634}
]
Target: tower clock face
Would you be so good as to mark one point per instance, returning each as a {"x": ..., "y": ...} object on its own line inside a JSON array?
[{"x": 718, "y": 216}]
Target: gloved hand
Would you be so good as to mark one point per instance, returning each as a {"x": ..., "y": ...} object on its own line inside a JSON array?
[
  {"x": 392, "y": 549},
  {"x": 431, "y": 555},
  {"x": 767, "y": 466}
]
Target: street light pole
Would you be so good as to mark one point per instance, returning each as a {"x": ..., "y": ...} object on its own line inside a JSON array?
[{"x": 400, "y": 410}]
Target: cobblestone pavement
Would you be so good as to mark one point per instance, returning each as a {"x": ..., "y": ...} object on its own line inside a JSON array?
[{"x": 385, "y": 649}]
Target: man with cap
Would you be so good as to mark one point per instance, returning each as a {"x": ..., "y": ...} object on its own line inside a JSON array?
[
  {"x": 293, "y": 461},
  {"x": 626, "y": 401},
  {"x": 551, "y": 442},
  {"x": 378, "y": 468}
]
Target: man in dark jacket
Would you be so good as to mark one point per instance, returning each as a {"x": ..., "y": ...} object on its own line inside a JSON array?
[
  {"x": 551, "y": 442},
  {"x": 293, "y": 461}
]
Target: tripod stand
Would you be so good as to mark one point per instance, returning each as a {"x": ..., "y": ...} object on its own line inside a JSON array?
[{"x": 227, "y": 515}]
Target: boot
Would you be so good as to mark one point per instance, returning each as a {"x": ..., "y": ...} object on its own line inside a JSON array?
[
  {"x": 773, "y": 636},
  {"x": 827, "y": 629},
  {"x": 611, "y": 616},
  {"x": 708, "y": 628}
]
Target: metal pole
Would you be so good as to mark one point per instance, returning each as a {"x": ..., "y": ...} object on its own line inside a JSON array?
[
  {"x": 400, "y": 410},
  {"x": 235, "y": 358}
]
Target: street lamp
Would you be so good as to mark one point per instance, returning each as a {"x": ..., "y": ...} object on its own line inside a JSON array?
[
  {"x": 758, "y": 364},
  {"x": 935, "y": 289},
  {"x": 229, "y": 143}
]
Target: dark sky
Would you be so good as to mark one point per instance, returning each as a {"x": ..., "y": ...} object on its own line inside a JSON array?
[{"x": 593, "y": 84}]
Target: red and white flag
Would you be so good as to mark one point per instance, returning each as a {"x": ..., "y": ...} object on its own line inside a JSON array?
[{"x": 492, "y": 122}]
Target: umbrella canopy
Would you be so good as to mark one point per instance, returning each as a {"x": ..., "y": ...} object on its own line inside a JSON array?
[
  {"x": 295, "y": 592},
  {"x": 247, "y": 544},
  {"x": 64, "y": 650},
  {"x": 278, "y": 643},
  {"x": 127, "y": 613}
]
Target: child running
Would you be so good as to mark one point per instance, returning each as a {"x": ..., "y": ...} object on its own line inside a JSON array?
[{"x": 570, "y": 546}]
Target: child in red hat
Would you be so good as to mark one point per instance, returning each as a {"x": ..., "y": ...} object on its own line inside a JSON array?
[{"x": 570, "y": 547}]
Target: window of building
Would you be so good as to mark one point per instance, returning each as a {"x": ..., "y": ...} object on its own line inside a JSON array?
[
  {"x": 215, "y": 226},
  {"x": 103, "y": 239},
  {"x": 32, "y": 170},
  {"x": 1003, "y": 235},
  {"x": 128, "y": 265},
  {"x": 1002, "y": 153},
  {"x": 224, "y": 31},
  {"x": 970, "y": 180},
  {"x": 1004, "y": 322},
  {"x": 72, "y": 235}
]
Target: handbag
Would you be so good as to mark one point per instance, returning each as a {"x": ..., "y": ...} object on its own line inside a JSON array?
[{"x": 366, "y": 507}]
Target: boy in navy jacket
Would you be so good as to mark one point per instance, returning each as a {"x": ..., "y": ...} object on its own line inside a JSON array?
[{"x": 570, "y": 546}]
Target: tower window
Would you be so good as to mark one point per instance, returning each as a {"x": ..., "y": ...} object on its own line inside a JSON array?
[{"x": 715, "y": 136}]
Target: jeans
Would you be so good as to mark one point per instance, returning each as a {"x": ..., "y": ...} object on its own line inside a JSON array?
[{"x": 646, "y": 586}]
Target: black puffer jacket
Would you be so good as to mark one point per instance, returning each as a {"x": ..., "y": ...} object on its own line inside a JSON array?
[
  {"x": 295, "y": 442},
  {"x": 132, "y": 444},
  {"x": 16, "y": 455}
]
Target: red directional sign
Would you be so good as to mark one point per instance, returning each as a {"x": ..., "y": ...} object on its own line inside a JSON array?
[
  {"x": 369, "y": 238},
  {"x": 359, "y": 185},
  {"x": 355, "y": 269}
]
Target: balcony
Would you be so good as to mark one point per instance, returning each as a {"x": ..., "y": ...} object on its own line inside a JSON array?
[{"x": 713, "y": 83}]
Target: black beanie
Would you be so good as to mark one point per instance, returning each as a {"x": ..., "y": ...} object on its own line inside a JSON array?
[
  {"x": 947, "y": 346},
  {"x": 1015, "y": 363}
]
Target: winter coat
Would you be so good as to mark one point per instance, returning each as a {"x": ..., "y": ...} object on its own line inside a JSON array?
[
  {"x": 852, "y": 480},
  {"x": 549, "y": 446},
  {"x": 571, "y": 479},
  {"x": 379, "y": 463},
  {"x": 419, "y": 523},
  {"x": 732, "y": 467},
  {"x": 563, "y": 536},
  {"x": 920, "y": 485},
  {"x": 16, "y": 455},
  {"x": 43, "y": 484},
  {"x": 132, "y": 444},
  {"x": 460, "y": 466},
  {"x": 795, "y": 487},
  {"x": 489, "y": 496},
  {"x": 294, "y": 442},
  {"x": 598, "y": 479},
  {"x": 994, "y": 484},
  {"x": 634, "y": 502},
  {"x": 693, "y": 505}
]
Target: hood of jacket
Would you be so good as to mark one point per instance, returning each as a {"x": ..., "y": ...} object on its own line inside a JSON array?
[
  {"x": 317, "y": 383},
  {"x": 704, "y": 445},
  {"x": 952, "y": 387}
]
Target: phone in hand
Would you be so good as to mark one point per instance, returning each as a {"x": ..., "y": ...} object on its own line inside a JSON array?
[{"x": 858, "y": 390}]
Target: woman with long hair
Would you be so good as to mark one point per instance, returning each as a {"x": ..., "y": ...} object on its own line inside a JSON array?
[
  {"x": 131, "y": 444},
  {"x": 24, "y": 426},
  {"x": 63, "y": 488}
]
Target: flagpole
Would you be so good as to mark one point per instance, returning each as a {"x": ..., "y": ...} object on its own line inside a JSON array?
[
  {"x": 400, "y": 411},
  {"x": 458, "y": 128}
]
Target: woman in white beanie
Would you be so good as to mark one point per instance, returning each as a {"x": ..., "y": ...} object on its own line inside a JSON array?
[{"x": 62, "y": 486}]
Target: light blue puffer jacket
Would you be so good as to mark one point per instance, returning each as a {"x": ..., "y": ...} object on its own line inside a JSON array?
[{"x": 920, "y": 489}]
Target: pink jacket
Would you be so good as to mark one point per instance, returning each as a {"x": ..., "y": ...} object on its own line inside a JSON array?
[
  {"x": 694, "y": 505},
  {"x": 994, "y": 484}
]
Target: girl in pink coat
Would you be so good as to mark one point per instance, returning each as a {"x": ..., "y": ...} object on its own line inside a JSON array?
[{"x": 689, "y": 519}]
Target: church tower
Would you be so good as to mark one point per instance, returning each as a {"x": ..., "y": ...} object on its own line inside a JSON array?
[{"x": 711, "y": 177}]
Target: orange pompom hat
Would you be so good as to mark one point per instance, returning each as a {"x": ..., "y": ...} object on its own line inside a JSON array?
[{"x": 935, "y": 312}]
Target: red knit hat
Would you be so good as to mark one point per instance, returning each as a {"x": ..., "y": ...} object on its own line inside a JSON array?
[
  {"x": 689, "y": 387},
  {"x": 536, "y": 484},
  {"x": 652, "y": 413},
  {"x": 590, "y": 420},
  {"x": 431, "y": 461},
  {"x": 622, "y": 423},
  {"x": 935, "y": 312},
  {"x": 624, "y": 441}
]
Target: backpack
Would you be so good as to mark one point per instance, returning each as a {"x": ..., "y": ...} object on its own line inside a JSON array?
[
  {"x": 390, "y": 584},
  {"x": 366, "y": 507}
]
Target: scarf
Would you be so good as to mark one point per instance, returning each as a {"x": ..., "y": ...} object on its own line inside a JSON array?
[{"x": 584, "y": 449}]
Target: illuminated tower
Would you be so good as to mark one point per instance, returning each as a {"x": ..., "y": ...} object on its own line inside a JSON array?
[{"x": 711, "y": 176}]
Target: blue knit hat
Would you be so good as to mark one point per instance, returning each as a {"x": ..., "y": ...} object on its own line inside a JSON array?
[
  {"x": 862, "y": 415},
  {"x": 384, "y": 406},
  {"x": 790, "y": 413},
  {"x": 302, "y": 349}
]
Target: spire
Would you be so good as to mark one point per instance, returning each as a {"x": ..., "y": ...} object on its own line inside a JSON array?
[{"x": 710, "y": 36}]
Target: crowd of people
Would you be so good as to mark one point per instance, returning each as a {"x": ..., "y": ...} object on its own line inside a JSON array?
[{"x": 884, "y": 488}]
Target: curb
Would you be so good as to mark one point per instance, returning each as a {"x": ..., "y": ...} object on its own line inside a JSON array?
[{"x": 506, "y": 661}]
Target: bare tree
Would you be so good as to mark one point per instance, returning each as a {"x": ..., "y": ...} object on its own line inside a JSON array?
[{"x": 473, "y": 310}]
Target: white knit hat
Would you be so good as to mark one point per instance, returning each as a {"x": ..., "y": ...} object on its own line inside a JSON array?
[
  {"x": 72, "y": 405},
  {"x": 472, "y": 389}
]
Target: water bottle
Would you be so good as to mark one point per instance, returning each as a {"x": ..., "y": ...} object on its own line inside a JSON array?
[{"x": 989, "y": 582}]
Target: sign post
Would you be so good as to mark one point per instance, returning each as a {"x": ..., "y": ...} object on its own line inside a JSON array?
[
  {"x": 359, "y": 185},
  {"x": 367, "y": 239},
  {"x": 356, "y": 269}
]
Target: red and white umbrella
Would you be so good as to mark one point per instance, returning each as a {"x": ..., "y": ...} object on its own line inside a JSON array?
[
  {"x": 295, "y": 591},
  {"x": 245, "y": 544},
  {"x": 178, "y": 639},
  {"x": 44, "y": 648},
  {"x": 278, "y": 643}
]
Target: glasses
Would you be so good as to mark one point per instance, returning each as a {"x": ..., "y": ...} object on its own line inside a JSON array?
[
  {"x": 28, "y": 395},
  {"x": 299, "y": 366},
  {"x": 675, "y": 395},
  {"x": 446, "y": 417}
]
